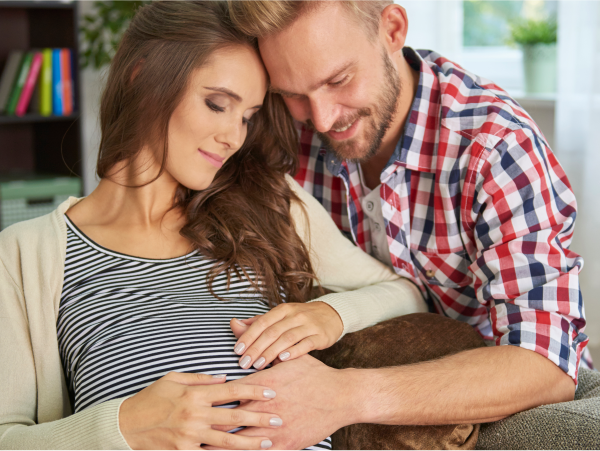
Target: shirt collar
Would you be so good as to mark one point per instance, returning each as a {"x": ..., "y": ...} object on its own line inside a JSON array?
[{"x": 417, "y": 147}]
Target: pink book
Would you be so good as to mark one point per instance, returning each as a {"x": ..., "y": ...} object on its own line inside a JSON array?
[{"x": 30, "y": 81}]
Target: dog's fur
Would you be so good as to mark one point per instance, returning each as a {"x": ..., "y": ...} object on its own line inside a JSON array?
[{"x": 401, "y": 341}]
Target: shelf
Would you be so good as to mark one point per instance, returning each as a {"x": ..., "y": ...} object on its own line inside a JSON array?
[
  {"x": 35, "y": 118},
  {"x": 37, "y": 4}
]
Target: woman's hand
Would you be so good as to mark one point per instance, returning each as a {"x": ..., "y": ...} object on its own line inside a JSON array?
[
  {"x": 176, "y": 412},
  {"x": 286, "y": 332}
]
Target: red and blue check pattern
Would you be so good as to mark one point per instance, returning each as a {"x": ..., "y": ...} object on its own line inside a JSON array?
[{"x": 478, "y": 212}]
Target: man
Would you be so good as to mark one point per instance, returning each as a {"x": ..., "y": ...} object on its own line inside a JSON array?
[{"x": 444, "y": 177}]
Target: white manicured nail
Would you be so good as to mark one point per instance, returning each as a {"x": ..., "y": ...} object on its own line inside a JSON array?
[
  {"x": 239, "y": 348},
  {"x": 245, "y": 362},
  {"x": 266, "y": 444},
  {"x": 276, "y": 422},
  {"x": 268, "y": 393},
  {"x": 259, "y": 363},
  {"x": 284, "y": 355},
  {"x": 219, "y": 376}
]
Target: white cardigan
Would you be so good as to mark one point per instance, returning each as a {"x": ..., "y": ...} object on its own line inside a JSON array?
[{"x": 35, "y": 412}]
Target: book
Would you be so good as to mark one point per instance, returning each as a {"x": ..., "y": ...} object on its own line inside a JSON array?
[
  {"x": 45, "y": 83},
  {"x": 57, "y": 92},
  {"x": 34, "y": 105},
  {"x": 20, "y": 82},
  {"x": 30, "y": 81},
  {"x": 67, "y": 85},
  {"x": 9, "y": 75}
]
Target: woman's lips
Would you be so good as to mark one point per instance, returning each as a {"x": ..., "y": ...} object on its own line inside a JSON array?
[{"x": 212, "y": 158}]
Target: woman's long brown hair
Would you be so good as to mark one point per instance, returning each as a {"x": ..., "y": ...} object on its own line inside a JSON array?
[{"x": 243, "y": 219}]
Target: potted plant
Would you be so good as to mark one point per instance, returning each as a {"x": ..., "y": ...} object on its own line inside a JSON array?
[
  {"x": 103, "y": 28},
  {"x": 537, "y": 39}
]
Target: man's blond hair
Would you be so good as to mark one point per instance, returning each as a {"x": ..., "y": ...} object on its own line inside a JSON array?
[{"x": 264, "y": 18}]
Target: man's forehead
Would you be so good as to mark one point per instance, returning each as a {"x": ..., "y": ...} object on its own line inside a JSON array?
[{"x": 312, "y": 48}]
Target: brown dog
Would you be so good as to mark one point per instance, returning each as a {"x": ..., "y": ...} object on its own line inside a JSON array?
[{"x": 401, "y": 341}]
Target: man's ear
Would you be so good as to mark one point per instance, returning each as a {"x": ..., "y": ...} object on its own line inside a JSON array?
[{"x": 393, "y": 27}]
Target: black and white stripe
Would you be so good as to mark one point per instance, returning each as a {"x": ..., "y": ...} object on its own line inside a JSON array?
[{"x": 125, "y": 322}]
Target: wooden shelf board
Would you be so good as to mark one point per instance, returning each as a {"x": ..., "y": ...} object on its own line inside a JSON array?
[
  {"x": 34, "y": 118},
  {"x": 37, "y": 4}
]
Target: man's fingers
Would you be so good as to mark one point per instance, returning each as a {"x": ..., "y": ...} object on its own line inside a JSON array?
[
  {"x": 225, "y": 440},
  {"x": 195, "y": 378},
  {"x": 235, "y": 392},
  {"x": 258, "y": 326}
]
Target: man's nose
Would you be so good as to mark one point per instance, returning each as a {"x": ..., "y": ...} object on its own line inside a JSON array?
[{"x": 322, "y": 114}]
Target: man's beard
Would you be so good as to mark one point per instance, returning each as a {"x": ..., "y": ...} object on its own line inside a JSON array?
[{"x": 378, "y": 124}]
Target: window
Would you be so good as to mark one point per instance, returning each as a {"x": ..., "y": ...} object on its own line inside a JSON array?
[
  {"x": 486, "y": 33},
  {"x": 487, "y": 23}
]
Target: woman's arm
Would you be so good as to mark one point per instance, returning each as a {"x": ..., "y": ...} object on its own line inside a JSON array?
[
  {"x": 367, "y": 292},
  {"x": 175, "y": 412}
]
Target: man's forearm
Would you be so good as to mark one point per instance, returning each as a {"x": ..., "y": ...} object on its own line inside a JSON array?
[{"x": 475, "y": 386}]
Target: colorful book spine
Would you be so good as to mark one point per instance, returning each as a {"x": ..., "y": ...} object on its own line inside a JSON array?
[
  {"x": 67, "y": 84},
  {"x": 30, "y": 81},
  {"x": 20, "y": 83},
  {"x": 9, "y": 75},
  {"x": 46, "y": 83},
  {"x": 57, "y": 92}
]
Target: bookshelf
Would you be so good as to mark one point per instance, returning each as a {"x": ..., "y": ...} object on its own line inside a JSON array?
[{"x": 35, "y": 144}]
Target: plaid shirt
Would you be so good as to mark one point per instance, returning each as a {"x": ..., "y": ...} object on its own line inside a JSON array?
[{"x": 478, "y": 212}]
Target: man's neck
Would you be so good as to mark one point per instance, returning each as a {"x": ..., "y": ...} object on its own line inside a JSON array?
[{"x": 374, "y": 166}]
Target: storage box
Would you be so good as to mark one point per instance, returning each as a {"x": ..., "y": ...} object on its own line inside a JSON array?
[{"x": 29, "y": 198}]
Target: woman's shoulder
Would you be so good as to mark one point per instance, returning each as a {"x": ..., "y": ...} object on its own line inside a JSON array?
[{"x": 35, "y": 236}]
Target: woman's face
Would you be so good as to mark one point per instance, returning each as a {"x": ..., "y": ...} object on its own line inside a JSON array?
[{"x": 210, "y": 124}]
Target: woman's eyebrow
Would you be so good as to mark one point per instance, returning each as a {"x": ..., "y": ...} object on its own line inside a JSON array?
[{"x": 230, "y": 93}]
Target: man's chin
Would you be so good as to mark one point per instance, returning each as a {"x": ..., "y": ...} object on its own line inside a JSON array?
[{"x": 350, "y": 149}]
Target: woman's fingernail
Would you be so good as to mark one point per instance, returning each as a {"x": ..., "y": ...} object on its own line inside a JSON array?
[
  {"x": 240, "y": 323},
  {"x": 245, "y": 362},
  {"x": 284, "y": 355},
  {"x": 276, "y": 422},
  {"x": 268, "y": 393},
  {"x": 239, "y": 348},
  {"x": 219, "y": 376},
  {"x": 266, "y": 444},
  {"x": 259, "y": 363}
]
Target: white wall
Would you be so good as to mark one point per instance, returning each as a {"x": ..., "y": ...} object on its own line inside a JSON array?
[{"x": 91, "y": 88}]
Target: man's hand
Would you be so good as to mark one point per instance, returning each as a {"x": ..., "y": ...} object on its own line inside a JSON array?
[
  {"x": 288, "y": 331},
  {"x": 313, "y": 400}
]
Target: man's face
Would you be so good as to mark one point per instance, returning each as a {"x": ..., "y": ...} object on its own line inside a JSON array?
[{"x": 334, "y": 79}]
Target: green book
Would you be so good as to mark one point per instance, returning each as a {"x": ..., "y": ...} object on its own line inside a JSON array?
[
  {"x": 9, "y": 76},
  {"x": 16, "y": 92},
  {"x": 45, "y": 83}
]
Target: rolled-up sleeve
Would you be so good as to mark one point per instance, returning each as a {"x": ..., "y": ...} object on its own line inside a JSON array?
[{"x": 525, "y": 273}]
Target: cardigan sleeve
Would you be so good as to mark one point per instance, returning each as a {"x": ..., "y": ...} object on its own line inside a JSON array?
[
  {"x": 366, "y": 290},
  {"x": 94, "y": 428}
]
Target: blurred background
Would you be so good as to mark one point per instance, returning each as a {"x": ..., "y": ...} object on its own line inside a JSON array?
[{"x": 546, "y": 54}]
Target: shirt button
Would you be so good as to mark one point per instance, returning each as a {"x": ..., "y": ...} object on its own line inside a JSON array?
[
  {"x": 370, "y": 206},
  {"x": 377, "y": 227},
  {"x": 429, "y": 273}
]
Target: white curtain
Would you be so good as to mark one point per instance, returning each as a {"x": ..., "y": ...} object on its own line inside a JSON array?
[
  {"x": 435, "y": 25},
  {"x": 578, "y": 140}
]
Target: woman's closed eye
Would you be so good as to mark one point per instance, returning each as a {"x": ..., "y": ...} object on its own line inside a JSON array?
[
  {"x": 214, "y": 107},
  {"x": 219, "y": 109}
]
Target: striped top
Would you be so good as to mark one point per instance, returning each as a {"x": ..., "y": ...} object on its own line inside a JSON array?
[{"x": 124, "y": 322}]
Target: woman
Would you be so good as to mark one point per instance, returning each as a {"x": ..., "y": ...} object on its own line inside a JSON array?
[{"x": 115, "y": 310}]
